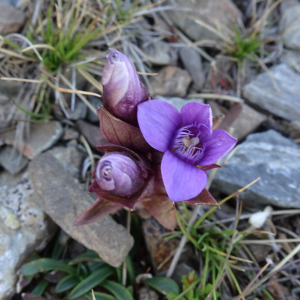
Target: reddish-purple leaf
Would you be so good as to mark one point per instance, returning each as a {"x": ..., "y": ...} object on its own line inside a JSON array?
[
  {"x": 120, "y": 133},
  {"x": 207, "y": 168},
  {"x": 127, "y": 202},
  {"x": 99, "y": 209},
  {"x": 162, "y": 209},
  {"x": 204, "y": 198}
]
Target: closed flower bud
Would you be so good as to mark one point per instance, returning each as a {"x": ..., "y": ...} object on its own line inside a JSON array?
[
  {"x": 118, "y": 174},
  {"x": 122, "y": 88}
]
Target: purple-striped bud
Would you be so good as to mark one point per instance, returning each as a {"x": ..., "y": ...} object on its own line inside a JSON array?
[
  {"x": 122, "y": 88},
  {"x": 119, "y": 174}
]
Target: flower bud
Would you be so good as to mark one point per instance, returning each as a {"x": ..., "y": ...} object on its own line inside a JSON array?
[
  {"x": 122, "y": 88},
  {"x": 118, "y": 174}
]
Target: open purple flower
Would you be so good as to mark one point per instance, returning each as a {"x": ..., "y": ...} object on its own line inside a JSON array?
[
  {"x": 122, "y": 88},
  {"x": 190, "y": 146}
]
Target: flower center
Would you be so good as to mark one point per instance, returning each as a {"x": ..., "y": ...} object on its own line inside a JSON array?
[
  {"x": 188, "y": 144},
  {"x": 106, "y": 169},
  {"x": 187, "y": 141}
]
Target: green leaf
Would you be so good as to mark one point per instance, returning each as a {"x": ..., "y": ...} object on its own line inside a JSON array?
[
  {"x": 118, "y": 290},
  {"x": 91, "y": 281},
  {"x": 45, "y": 265},
  {"x": 58, "y": 248},
  {"x": 89, "y": 255},
  {"x": 95, "y": 265},
  {"x": 130, "y": 270},
  {"x": 66, "y": 283},
  {"x": 40, "y": 288},
  {"x": 101, "y": 296},
  {"x": 163, "y": 285}
]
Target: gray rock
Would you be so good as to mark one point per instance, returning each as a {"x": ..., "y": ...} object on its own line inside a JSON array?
[
  {"x": 284, "y": 5},
  {"x": 193, "y": 64},
  {"x": 70, "y": 134},
  {"x": 10, "y": 88},
  {"x": 246, "y": 122},
  {"x": 158, "y": 248},
  {"x": 11, "y": 19},
  {"x": 262, "y": 92},
  {"x": 159, "y": 52},
  {"x": 12, "y": 2},
  {"x": 292, "y": 59},
  {"x": 70, "y": 157},
  {"x": 270, "y": 156},
  {"x": 294, "y": 130},
  {"x": 145, "y": 293},
  {"x": 64, "y": 200},
  {"x": 79, "y": 111},
  {"x": 178, "y": 102},
  {"x": 42, "y": 137},
  {"x": 92, "y": 133},
  {"x": 171, "y": 81},
  {"x": 24, "y": 228},
  {"x": 96, "y": 102},
  {"x": 222, "y": 12},
  {"x": 290, "y": 25},
  {"x": 12, "y": 160}
]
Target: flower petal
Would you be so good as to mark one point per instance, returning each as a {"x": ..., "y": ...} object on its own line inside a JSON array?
[
  {"x": 158, "y": 121},
  {"x": 200, "y": 113},
  {"x": 182, "y": 180},
  {"x": 219, "y": 145}
]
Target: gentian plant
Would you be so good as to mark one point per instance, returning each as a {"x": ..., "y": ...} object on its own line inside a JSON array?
[{"x": 159, "y": 156}]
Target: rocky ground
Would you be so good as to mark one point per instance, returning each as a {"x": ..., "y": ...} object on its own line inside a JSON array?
[{"x": 46, "y": 166}]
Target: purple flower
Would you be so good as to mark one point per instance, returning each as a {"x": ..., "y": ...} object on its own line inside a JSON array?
[
  {"x": 188, "y": 142},
  {"x": 118, "y": 174},
  {"x": 122, "y": 88}
]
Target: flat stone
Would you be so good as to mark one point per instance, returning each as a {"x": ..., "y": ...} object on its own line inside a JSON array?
[
  {"x": 294, "y": 130},
  {"x": 79, "y": 112},
  {"x": 222, "y": 12},
  {"x": 193, "y": 64},
  {"x": 42, "y": 137},
  {"x": 96, "y": 102},
  {"x": 12, "y": 160},
  {"x": 246, "y": 122},
  {"x": 24, "y": 228},
  {"x": 292, "y": 59},
  {"x": 12, "y": 2},
  {"x": 158, "y": 248},
  {"x": 261, "y": 92},
  {"x": 10, "y": 88},
  {"x": 70, "y": 134},
  {"x": 178, "y": 102},
  {"x": 11, "y": 19},
  {"x": 64, "y": 200},
  {"x": 159, "y": 52},
  {"x": 289, "y": 25},
  {"x": 272, "y": 157},
  {"x": 70, "y": 157},
  {"x": 171, "y": 81},
  {"x": 145, "y": 293},
  {"x": 92, "y": 133}
]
